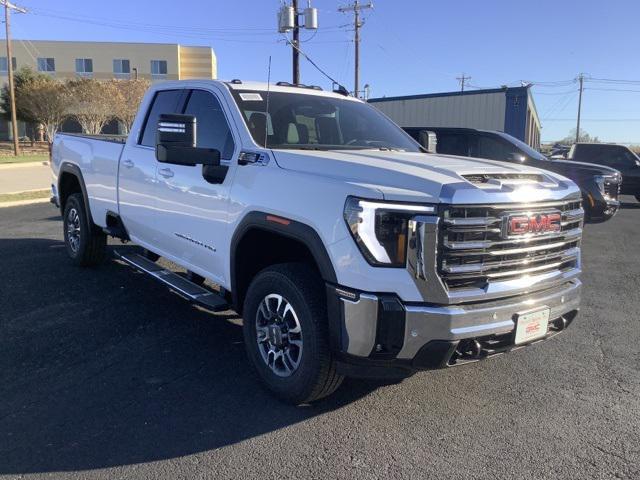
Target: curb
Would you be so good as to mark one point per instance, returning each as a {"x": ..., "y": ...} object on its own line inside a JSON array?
[
  {"x": 19, "y": 203},
  {"x": 9, "y": 166}
]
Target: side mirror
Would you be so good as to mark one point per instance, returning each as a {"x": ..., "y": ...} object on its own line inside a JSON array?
[
  {"x": 428, "y": 140},
  {"x": 176, "y": 142}
]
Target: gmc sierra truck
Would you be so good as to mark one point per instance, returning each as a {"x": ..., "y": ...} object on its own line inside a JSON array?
[{"x": 347, "y": 249}]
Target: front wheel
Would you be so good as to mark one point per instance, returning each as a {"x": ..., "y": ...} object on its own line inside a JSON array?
[
  {"x": 86, "y": 245},
  {"x": 286, "y": 334}
]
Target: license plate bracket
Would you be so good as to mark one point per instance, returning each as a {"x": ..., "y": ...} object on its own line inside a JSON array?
[{"x": 531, "y": 325}]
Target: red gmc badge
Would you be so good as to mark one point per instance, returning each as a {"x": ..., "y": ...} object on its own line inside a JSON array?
[{"x": 535, "y": 223}]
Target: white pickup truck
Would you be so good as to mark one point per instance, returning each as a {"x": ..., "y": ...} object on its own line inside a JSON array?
[{"x": 347, "y": 249}]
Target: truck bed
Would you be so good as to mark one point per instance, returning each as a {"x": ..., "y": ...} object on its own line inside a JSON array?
[{"x": 98, "y": 157}]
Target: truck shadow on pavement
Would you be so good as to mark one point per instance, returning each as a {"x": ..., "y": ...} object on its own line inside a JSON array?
[{"x": 103, "y": 367}]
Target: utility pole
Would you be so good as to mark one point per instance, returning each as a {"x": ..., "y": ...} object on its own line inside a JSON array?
[
  {"x": 462, "y": 81},
  {"x": 356, "y": 7},
  {"x": 12, "y": 94},
  {"x": 289, "y": 20},
  {"x": 296, "y": 44},
  {"x": 581, "y": 80}
]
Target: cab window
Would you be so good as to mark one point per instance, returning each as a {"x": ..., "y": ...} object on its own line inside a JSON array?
[
  {"x": 165, "y": 101},
  {"x": 212, "y": 129}
]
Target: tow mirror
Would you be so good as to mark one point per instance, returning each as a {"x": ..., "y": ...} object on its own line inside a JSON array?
[
  {"x": 176, "y": 142},
  {"x": 428, "y": 140}
]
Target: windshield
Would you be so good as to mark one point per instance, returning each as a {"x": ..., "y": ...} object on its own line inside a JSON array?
[
  {"x": 303, "y": 121},
  {"x": 526, "y": 149}
]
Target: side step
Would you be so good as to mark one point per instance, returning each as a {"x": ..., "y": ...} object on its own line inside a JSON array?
[{"x": 189, "y": 290}]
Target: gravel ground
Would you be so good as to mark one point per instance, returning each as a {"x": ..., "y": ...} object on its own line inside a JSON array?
[{"x": 105, "y": 374}]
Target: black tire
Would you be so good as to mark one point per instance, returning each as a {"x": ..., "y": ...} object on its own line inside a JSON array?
[
  {"x": 86, "y": 245},
  {"x": 315, "y": 376}
]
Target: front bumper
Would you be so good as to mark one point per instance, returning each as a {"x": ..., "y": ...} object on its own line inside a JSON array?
[{"x": 379, "y": 336}]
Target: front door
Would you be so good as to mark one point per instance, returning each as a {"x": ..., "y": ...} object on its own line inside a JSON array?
[
  {"x": 137, "y": 176},
  {"x": 192, "y": 210}
]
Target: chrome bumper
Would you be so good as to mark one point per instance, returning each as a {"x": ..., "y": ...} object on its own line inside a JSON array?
[{"x": 366, "y": 325}]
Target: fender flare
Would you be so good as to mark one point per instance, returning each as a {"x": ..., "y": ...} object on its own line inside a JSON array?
[
  {"x": 288, "y": 228},
  {"x": 73, "y": 169}
]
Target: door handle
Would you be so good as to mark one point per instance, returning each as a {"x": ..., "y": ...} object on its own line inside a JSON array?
[
  {"x": 128, "y": 163},
  {"x": 166, "y": 172}
]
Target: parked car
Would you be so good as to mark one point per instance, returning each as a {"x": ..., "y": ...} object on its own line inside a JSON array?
[
  {"x": 347, "y": 250},
  {"x": 599, "y": 184},
  {"x": 620, "y": 157}
]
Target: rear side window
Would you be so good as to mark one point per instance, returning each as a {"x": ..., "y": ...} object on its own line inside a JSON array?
[
  {"x": 165, "y": 101},
  {"x": 212, "y": 129},
  {"x": 453, "y": 144},
  {"x": 492, "y": 149}
]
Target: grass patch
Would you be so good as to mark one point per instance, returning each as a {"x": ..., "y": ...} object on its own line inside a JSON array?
[
  {"x": 34, "y": 195},
  {"x": 23, "y": 159}
]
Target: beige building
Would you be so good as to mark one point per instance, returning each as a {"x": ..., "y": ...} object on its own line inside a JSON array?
[{"x": 106, "y": 60}]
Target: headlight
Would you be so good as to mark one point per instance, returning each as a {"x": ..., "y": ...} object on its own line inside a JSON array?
[
  {"x": 380, "y": 228},
  {"x": 600, "y": 183}
]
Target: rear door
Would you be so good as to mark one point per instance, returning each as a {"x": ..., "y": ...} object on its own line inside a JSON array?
[
  {"x": 137, "y": 173},
  {"x": 192, "y": 209}
]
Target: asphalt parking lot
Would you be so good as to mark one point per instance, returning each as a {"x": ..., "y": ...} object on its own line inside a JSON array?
[{"x": 105, "y": 374}]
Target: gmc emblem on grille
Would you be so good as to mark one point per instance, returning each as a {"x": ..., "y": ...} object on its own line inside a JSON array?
[{"x": 536, "y": 223}]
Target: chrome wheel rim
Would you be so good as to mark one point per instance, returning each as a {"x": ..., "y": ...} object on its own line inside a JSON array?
[
  {"x": 279, "y": 335},
  {"x": 73, "y": 230}
]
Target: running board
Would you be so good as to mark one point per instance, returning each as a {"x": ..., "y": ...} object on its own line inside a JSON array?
[{"x": 183, "y": 287}]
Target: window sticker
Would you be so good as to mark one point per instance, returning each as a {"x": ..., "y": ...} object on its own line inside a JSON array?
[{"x": 251, "y": 97}]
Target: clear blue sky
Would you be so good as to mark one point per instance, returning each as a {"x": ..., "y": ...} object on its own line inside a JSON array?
[{"x": 408, "y": 46}]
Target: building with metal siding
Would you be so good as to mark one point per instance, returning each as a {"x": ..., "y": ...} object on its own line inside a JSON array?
[{"x": 509, "y": 110}]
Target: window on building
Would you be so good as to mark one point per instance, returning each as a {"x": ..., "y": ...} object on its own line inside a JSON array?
[
  {"x": 212, "y": 127},
  {"x": 121, "y": 68},
  {"x": 158, "y": 68},
  {"x": 3, "y": 64},
  {"x": 84, "y": 67},
  {"x": 46, "y": 64},
  {"x": 165, "y": 101}
]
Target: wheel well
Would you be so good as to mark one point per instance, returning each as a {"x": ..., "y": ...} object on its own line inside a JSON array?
[
  {"x": 68, "y": 185},
  {"x": 259, "y": 249}
]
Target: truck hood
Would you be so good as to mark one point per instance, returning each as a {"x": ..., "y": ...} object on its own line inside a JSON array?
[
  {"x": 582, "y": 169},
  {"x": 420, "y": 177}
]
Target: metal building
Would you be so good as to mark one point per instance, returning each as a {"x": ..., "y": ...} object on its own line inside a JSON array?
[{"x": 509, "y": 110}]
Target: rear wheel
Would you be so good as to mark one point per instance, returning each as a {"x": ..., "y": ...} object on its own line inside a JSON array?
[
  {"x": 86, "y": 245},
  {"x": 286, "y": 334}
]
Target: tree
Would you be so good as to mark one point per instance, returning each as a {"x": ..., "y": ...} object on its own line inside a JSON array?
[
  {"x": 583, "y": 137},
  {"x": 127, "y": 98},
  {"x": 91, "y": 104},
  {"x": 41, "y": 99},
  {"x": 20, "y": 79}
]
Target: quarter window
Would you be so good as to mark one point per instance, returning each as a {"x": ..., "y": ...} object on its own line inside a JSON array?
[
  {"x": 165, "y": 101},
  {"x": 212, "y": 129},
  {"x": 47, "y": 64}
]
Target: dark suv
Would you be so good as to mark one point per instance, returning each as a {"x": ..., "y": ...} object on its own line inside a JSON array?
[
  {"x": 615, "y": 156},
  {"x": 599, "y": 184}
]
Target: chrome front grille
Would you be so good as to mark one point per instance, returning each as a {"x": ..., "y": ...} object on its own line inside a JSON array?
[{"x": 475, "y": 251}]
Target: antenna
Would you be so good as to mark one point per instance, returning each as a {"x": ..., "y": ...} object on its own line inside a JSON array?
[{"x": 266, "y": 109}]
